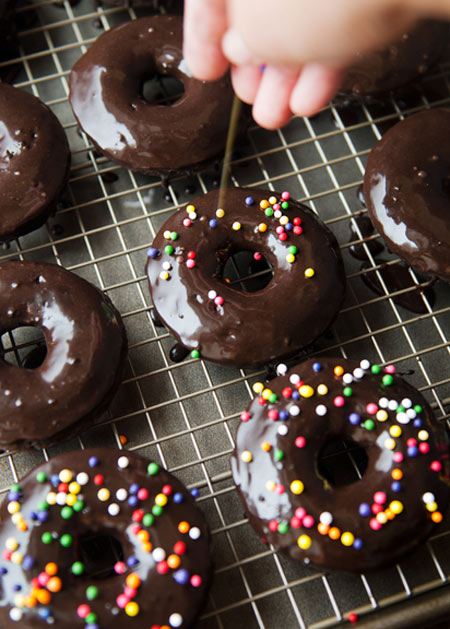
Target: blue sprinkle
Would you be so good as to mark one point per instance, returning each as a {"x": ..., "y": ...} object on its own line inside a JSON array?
[
  {"x": 27, "y": 562},
  {"x": 14, "y": 495},
  {"x": 194, "y": 492},
  {"x": 42, "y": 516},
  {"x": 412, "y": 451},
  {"x": 354, "y": 418},
  {"x": 44, "y": 612},
  {"x": 213, "y": 223},
  {"x": 364, "y": 509},
  {"x": 134, "y": 488},
  {"x": 17, "y": 587},
  {"x": 152, "y": 252},
  {"x": 396, "y": 486},
  {"x": 288, "y": 227},
  {"x": 33, "y": 516},
  {"x": 92, "y": 625},
  {"x": 295, "y": 395},
  {"x": 3, "y": 570},
  {"x": 181, "y": 576},
  {"x": 417, "y": 423},
  {"x": 283, "y": 415},
  {"x": 132, "y": 501},
  {"x": 249, "y": 200},
  {"x": 357, "y": 544},
  {"x": 132, "y": 561},
  {"x": 54, "y": 479},
  {"x": 178, "y": 497},
  {"x": 317, "y": 367},
  {"x": 93, "y": 461}
]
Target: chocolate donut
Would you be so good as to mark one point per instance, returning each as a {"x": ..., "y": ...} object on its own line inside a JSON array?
[
  {"x": 102, "y": 538},
  {"x": 86, "y": 349},
  {"x": 219, "y": 321},
  {"x": 407, "y": 190},
  {"x": 106, "y": 94},
  {"x": 34, "y": 162},
  {"x": 376, "y": 73},
  {"x": 298, "y": 507}
]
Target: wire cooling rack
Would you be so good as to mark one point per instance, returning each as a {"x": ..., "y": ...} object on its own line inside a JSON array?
[{"x": 184, "y": 415}]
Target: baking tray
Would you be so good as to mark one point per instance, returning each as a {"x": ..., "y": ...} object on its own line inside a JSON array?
[{"x": 184, "y": 415}]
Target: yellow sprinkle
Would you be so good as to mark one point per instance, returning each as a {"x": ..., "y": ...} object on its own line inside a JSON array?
[
  {"x": 270, "y": 485},
  {"x": 19, "y": 600},
  {"x": 306, "y": 391},
  {"x": 272, "y": 200},
  {"x": 381, "y": 415},
  {"x": 190, "y": 208},
  {"x": 132, "y": 608},
  {"x": 309, "y": 272},
  {"x": 16, "y": 518},
  {"x": 389, "y": 444},
  {"x": 258, "y": 387},
  {"x": 264, "y": 204},
  {"x": 13, "y": 507},
  {"x": 71, "y": 500},
  {"x": 164, "y": 275},
  {"x": 161, "y": 500},
  {"x": 246, "y": 456},
  {"x": 236, "y": 226},
  {"x": 290, "y": 258},
  {"x": 262, "y": 227},
  {"x": 396, "y": 506},
  {"x": 322, "y": 389},
  {"x": 220, "y": 213},
  {"x": 11, "y": 543},
  {"x": 17, "y": 557},
  {"x": 395, "y": 431},
  {"x": 297, "y": 487},
  {"x": 431, "y": 506},
  {"x": 51, "y": 498},
  {"x": 381, "y": 517},
  {"x": 65, "y": 476},
  {"x": 304, "y": 542},
  {"x": 284, "y": 220},
  {"x": 103, "y": 494},
  {"x": 74, "y": 488},
  {"x": 347, "y": 538},
  {"x": 423, "y": 435},
  {"x": 266, "y": 394},
  {"x": 338, "y": 370}
]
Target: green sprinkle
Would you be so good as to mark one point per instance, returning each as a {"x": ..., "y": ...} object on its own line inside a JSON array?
[
  {"x": 66, "y": 513},
  {"x": 285, "y": 205},
  {"x": 169, "y": 249},
  {"x": 195, "y": 353},
  {"x": 91, "y": 593},
  {"x": 283, "y": 527},
  {"x": 273, "y": 397},
  {"x": 47, "y": 538},
  {"x": 157, "y": 510},
  {"x": 173, "y": 235},
  {"x": 148, "y": 519},
  {"x": 41, "y": 477},
  {"x": 91, "y": 618},
  {"x": 152, "y": 469},
  {"x": 375, "y": 369},
  {"x": 292, "y": 249},
  {"x": 43, "y": 506},
  {"x": 77, "y": 568},
  {"x": 369, "y": 424},
  {"x": 268, "y": 211},
  {"x": 387, "y": 379},
  {"x": 418, "y": 409},
  {"x": 78, "y": 506},
  {"x": 66, "y": 540},
  {"x": 347, "y": 391},
  {"x": 15, "y": 487},
  {"x": 278, "y": 454},
  {"x": 400, "y": 409}
]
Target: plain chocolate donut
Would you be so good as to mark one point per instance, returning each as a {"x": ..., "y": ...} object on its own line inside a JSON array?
[
  {"x": 54, "y": 571},
  {"x": 407, "y": 190},
  {"x": 370, "y": 522},
  {"x": 34, "y": 162},
  {"x": 106, "y": 96},
  {"x": 223, "y": 323},
  {"x": 86, "y": 349}
]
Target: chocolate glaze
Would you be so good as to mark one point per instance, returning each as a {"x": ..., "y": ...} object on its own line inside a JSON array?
[
  {"x": 401, "y": 63},
  {"x": 249, "y": 329},
  {"x": 106, "y": 97},
  {"x": 86, "y": 349},
  {"x": 34, "y": 162},
  {"x": 264, "y": 504},
  {"x": 366, "y": 228},
  {"x": 407, "y": 190},
  {"x": 158, "y": 596}
]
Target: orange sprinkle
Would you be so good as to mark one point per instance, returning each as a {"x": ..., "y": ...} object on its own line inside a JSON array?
[
  {"x": 389, "y": 514},
  {"x": 264, "y": 204},
  {"x": 22, "y": 526},
  {"x": 147, "y": 548},
  {"x": 143, "y": 536},
  {"x": 338, "y": 370},
  {"x": 183, "y": 527},
  {"x": 323, "y": 528},
  {"x": 436, "y": 516},
  {"x": 51, "y": 569},
  {"x": 133, "y": 580},
  {"x": 173, "y": 561},
  {"x": 334, "y": 532},
  {"x": 397, "y": 474},
  {"x": 31, "y": 601},
  {"x": 54, "y": 584},
  {"x": 265, "y": 446},
  {"x": 123, "y": 440},
  {"x": 43, "y": 596}
]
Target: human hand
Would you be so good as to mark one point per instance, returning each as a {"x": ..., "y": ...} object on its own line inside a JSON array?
[{"x": 304, "y": 45}]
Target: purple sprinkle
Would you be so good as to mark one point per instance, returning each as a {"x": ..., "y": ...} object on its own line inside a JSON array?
[
  {"x": 132, "y": 561},
  {"x": 132, "y": 501},
  {"x": 152, "y": 252},
  {"x": 42, "y": 515},
  {"x": 396, "y": 486},
  {"x": 134, "y": 488},
  {"x": 33, "y": 516},
  {"x": 27, "y": 562},
  {"x": 14, "y": 495},
  {"x": 412, "y": 451},
  {"x": 417, "y": 423},
  {"x": 283, "y": 415},
  {"x": 54, "y": 479},
  {"x": 181, "y": 576},
  {"x": 357, "y": 544},
  {"x": 295, "y": 395},
  {"x": 249, "y": 200},
  {"x": 178, "y": 497},
  {"x": 93, "y": 461},
  {"x": 3, "y": 570},
  {"x": 92, "y": 625},
  {"x": 354, "y": 418},
  {"x": 364, "y": 509},
  {"x": 17, "y": 587},
  {"x": 288, "y": 227}
]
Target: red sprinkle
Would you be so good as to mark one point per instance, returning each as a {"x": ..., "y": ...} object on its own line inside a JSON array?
[
  {"x": 297, "y": 230},
  {"x": 179, "y": 548},
  {"x": 300, "y": 442},
  {"x": 138, "y": 515},
  {"x": 353, "y": 618},
  {"x": 98, "y": 479},
  {"x": 273, "y": 414},
  {"x": 283, "y": 236},
  {"x": 119, "y": 567},
  {"x": 300, "y": 513},
  {"x": 191, "y": 255},
  {"x": 286, "y": 392},
  {"x": 424, "y": 448},
  {"x": 167, "y": 490},
  {"x": 261, "y": 401},
  {"x": 245, "y": 416},
  {"x": 273, "y": 525},
  {"x": 162, "y": 567},
  {"x": 142, "y": 494},
  {"x": 63, "y": 487},
  {"x": 196, "y": 580},
  {"x": 436, "y": 466},
  {"x": 296, "y": 523},
  {"x": 297, "y": 220}
]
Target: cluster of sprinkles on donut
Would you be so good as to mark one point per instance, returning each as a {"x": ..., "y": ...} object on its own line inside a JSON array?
[
  {"x": 220, "y": 321},
  {"x": 162, "y": 578},
  {"x": 371, "y": 521}
]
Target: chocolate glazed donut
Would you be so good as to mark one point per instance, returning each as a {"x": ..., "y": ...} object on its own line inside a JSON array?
[
  {"x": 102, "y": 539},
  {"x": 34, "y": 162},
  {"x": 106, "y": 96},
  {"x": 86, "y": 349},
  {"x": 290, "y": 500},
  {"x": 219, "y": 320},
  {"x": 407, "y": 190}
]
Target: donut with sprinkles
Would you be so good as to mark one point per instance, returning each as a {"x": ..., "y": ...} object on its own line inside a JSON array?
[
  {"x": 217, "y": 319},
  {"x": 299, "y": 507},
  {"x": 56, "y": 524}
]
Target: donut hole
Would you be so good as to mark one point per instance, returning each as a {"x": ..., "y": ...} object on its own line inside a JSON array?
[
  {"x": 161, "y": 89},
  {"x": 99, "y": 552},
  {"x": 245, "y": 272},
  {"x": 24, "y": 346},
  {"x": 341, "y": 461}
]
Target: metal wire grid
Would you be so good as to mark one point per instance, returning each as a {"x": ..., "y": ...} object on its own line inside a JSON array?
[{"x": 184, "y": 415}]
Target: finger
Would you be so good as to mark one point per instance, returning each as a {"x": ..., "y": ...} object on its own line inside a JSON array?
[
  {"x": 246, "y": 81},
  {"x": 316, "y": 86},
  {"x": 271, "y": 107},
  {"x": 205, "y": 23},
  {"x": 236, "y": 51}
]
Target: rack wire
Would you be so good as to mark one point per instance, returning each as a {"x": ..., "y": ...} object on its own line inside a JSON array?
[{"x": 184, "y": 415}]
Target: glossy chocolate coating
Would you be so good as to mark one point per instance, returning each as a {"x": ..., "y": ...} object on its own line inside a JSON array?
[
  {"x": 407, "y": 190},
  {"x": 34, "y": 162},
  {"x": 401, "y": 63},
  {"x": 264, "y": 504},
  {"x": 106, "y": 97},
  {"x": 158, "y": 596},
  {"x": 249, "y": 329},
  {"x": 86, "y": 349}
]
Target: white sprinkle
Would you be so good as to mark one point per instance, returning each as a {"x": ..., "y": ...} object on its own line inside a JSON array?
[
  {"x": 113, "y": 509},
  {"x": 212, "y": 294},
  {"x": 61, "y": 498},
  {"x": 283, "y": 430},
  {"x": 411, "y": 413},
  {"x": 294, "y": 410},
  {"x": 159, "y": 554},
  {"x": 166, "y": 266},
  {"x": 18, "y": 402},
  {"x": 7, "y": 392},
  {"x": 192, "y": 215},
  {"x": 281, "y": 369},
  {"x": 321, "y": 410},
  {"x": 278, "y": 214},
  {"x": 121, "y": 494},
  {"x": 14, "y": 285},
  {"x": 406, "y": 402},
  {"x": 194, "y": 532},
  {"x": 175, "y": 620},
  {"x": 16, "y": 614},
  {"x": 365, "y": 364},
  {"x": 392, "y": 406},
  {"x": 358, "y": 373},
  {"x": 294, "y": 378},
  {"x": 326, "y": 518},
  {"x": 82, "y": 478},
  {"x": 347, "y": 378},
  {"x": 383, "y": 402},
  {"x": 123, "y": 462},
  {"x": 428, "y": 497},
  {"x": 402, "y": 418}
]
